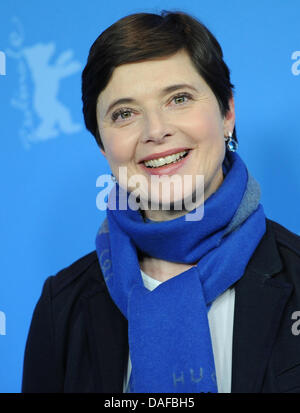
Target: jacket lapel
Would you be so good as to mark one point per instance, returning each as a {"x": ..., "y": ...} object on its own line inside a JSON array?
[
  {"x": 108, "y": 340},
  {"x": 259, "y": 301}
]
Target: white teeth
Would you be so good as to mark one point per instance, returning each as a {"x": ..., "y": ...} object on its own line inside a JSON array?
[{"x": 154, "y": 163}]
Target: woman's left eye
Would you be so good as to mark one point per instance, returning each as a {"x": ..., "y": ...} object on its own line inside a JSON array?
[{"x": 182, "y": 98}]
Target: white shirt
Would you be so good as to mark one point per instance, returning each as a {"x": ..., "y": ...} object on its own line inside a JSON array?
[{"x": 220, "y": 319}]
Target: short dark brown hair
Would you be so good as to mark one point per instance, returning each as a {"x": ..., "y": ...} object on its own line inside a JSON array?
[{"x": 143, "y": 36}]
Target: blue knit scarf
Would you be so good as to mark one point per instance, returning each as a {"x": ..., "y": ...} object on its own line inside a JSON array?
[{"x": 169, "y": 338}]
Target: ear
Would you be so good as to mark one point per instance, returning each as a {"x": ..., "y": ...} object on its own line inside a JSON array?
[
  {"x": 103, "y": 153},
  {"x": 229, "y": 120}
]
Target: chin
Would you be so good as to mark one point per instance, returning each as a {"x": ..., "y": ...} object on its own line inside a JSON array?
[{"x": 175, "y": 202}]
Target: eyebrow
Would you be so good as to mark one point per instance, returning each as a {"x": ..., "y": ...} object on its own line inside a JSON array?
[{"x": 164, "y": 91}]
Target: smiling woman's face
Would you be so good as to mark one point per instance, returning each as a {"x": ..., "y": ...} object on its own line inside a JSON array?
[{"x": 166, "y": 108}]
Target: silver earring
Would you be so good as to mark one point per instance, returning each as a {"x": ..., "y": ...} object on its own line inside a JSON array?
[
  {"x": 113, "y": 178},
  {"x": 231, "y": 143}
]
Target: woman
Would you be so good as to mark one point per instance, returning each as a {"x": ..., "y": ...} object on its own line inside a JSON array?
[{"x": 191, "y": 288}]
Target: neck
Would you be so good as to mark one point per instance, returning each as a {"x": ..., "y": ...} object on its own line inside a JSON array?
[{"x": 162, "y": 270}]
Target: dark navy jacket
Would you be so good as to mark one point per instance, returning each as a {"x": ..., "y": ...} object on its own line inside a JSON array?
[{"x": 78, "y": 338}]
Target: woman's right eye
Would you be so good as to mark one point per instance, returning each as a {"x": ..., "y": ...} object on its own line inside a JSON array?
[{"x": 123, "y": 113}]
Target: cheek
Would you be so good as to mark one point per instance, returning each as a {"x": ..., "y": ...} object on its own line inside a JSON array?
[
  {"x": 204, "y": 127},
  {"x": 118, "y": 148}
]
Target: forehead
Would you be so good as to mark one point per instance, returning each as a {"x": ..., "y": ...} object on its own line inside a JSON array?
[{"x": 149, "y": 76}]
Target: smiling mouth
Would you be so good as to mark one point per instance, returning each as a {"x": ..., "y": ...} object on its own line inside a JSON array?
[{"x": 167, "y": 160}]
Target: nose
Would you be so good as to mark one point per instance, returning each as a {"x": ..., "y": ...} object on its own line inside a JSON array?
[{"x": 156, "y": 126}]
